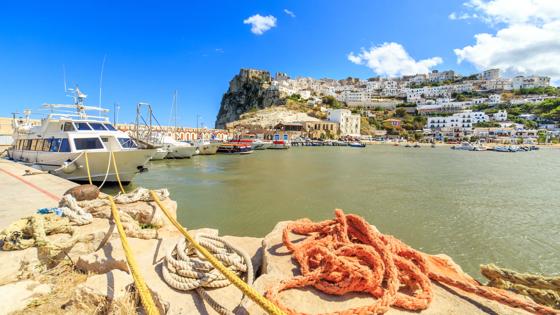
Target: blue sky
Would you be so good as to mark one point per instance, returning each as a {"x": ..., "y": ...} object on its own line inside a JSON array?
[{"x": 153, "y": 48}]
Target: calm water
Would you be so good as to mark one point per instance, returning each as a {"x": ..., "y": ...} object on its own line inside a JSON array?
[{"x": 477, "y": 207}]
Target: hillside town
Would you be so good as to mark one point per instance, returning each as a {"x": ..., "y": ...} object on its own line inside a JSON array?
[{"x": 438, "y": 106}]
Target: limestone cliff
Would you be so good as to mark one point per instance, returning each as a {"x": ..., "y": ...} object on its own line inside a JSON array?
[{"x": 249, "y": 90}]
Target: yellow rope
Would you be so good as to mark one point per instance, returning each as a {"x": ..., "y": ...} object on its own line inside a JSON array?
[
  {"x": 145, "y": 295},
  {"x": 268, "y": 306},
  {"x": 117, "y": 172},
  {"x": 87, "y": 168}
]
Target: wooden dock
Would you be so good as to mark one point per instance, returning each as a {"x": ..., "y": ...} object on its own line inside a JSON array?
[{"x": 21, "y": 195}]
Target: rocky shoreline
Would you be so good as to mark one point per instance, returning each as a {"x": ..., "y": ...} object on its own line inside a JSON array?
[{"x": 99, "y": 280}]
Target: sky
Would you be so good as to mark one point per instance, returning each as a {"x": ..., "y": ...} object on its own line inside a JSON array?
[{"x": 152, "y": 48}]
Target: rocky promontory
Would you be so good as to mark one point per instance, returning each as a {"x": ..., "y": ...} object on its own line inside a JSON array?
[{"x": 250, "y": 90}]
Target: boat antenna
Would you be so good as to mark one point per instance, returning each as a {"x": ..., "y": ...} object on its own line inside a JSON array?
[{"x": 101, "y": 79}]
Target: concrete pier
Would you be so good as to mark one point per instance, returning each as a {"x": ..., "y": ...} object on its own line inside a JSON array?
[{"x": 21, "y": 195}]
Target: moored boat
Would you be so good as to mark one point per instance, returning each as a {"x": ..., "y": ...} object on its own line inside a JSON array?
[
  {"x": 280, "y": 144},
  {"x": 177, "y": 149},
  {"x": 466, "y": 146},
  {"x": 78, "y": 146},
  {"x": 160, "y": 154},
  {"x": 204, "y": 147},
  {"x": 235, "y": 148},
  {"x": 357, "y": 144}
]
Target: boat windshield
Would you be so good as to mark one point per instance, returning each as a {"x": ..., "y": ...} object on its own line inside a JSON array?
[
  {"x": 97, "y": 126},
  {"x": 127, "y": 143},
  {"x": 110, "y": 127},
  {"x": 82, "y": 126}
]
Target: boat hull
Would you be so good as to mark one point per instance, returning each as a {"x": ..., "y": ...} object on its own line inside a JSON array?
[
  {"x": 129, "y": 163},
  {"x": 207, "y": 149},
  {"x": 180, "y": 152},
  {"x": 160, "y": 154}
]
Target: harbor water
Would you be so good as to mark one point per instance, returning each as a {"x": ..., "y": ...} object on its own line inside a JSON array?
[{"x": 477, "y": 207}]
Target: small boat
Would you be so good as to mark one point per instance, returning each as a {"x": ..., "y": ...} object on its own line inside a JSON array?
[
  {"x": 177, "y": 149},
  {"x": 416, "y": 145},
  {"x": 235, "y": 148},
  {"x": 466, "y": 146},
  {"x": 408, "y": 146},
  {"x": 280, "y": 144},
  {"x": 160, "y": 154},
  {"x": 204, "y": 147},
  {"x": 505, "y": 148},
  {"x": 357, "y": 145},
  {"x": 433, "y": 145}
]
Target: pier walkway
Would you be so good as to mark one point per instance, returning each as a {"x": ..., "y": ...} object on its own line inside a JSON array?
[{"x": 21, "y": 195}]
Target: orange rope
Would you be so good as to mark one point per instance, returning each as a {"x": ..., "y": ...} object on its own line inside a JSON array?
[{"x": 348, "y": 255}]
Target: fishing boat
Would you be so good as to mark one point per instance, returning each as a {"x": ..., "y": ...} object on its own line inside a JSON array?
[
  {"x": 280, "y": 144},
  {"x": 235, "y": 148},
  {"x": 75, "y": 145},
  {"x": 205, "y": 147},
  {"x": 357, "y": 144},
  {"x": 177, "y": 149}
]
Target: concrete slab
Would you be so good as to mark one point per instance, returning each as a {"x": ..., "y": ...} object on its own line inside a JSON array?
[{"x": 21, "y": 195}]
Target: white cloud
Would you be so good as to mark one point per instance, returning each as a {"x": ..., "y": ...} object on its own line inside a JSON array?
[
  {"x": 260, "y": 24},
  {"x": 290, "y": 13},
  {"x": 527, "y": 40},
  {"x": 462, "y": 16},
  {"x": 391, "y": 59}
]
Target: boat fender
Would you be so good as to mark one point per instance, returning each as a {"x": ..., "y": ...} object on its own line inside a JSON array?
[
  {"x": 68, "y": 167},
  {"x": 83, "y": 192}
]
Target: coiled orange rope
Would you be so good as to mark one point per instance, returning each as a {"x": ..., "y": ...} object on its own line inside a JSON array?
[{"x": 348, "y": 255}]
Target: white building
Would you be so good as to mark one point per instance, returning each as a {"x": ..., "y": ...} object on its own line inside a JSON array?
[
  {"x": 490, "y": 74},
  {"x": 500, "y": 116},
  {"x": 349, "y": 124},
  {"x": 463, "y": 120},
  {"x": 529, "y": 82},
  {"x": 495, "y": 98},
  {"x": 436, "y": 76}
]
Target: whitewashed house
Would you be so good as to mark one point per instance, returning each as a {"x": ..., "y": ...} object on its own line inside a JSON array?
[{"x": 349, "y": 124}]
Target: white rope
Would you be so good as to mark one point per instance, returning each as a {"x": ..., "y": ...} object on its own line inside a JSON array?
[
  {"x": 185, "y": 269},
  {"x": 73, "y": 211},
  {"x": 108, "y": 169}
]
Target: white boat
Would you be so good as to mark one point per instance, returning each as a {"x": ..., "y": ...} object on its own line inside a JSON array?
[
  {"x": 204, "y": 147},
  {"x": 464, "y": 146},
  {"x": 177, "y": 149},
  {"x": 280, "y": 144},
  {"x": 507, "y": 148},
  {"x": 67, "y": 143},
  {"x": 160, "y": 154}
]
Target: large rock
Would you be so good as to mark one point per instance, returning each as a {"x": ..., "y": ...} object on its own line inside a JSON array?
[
  {"x": 17, "y": 295},
  {"x": 249, "y": 90},
  {"x": 278, "y": 265}
]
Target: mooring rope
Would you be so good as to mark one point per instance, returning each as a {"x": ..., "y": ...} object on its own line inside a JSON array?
[
  {"x": 348, "y": 255},
  {"x": 184, "y": 269},
  {"x": 249, "y": 291}
]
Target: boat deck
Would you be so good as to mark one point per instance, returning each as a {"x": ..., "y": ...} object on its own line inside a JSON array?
[{"x": 21, "y": 195}]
